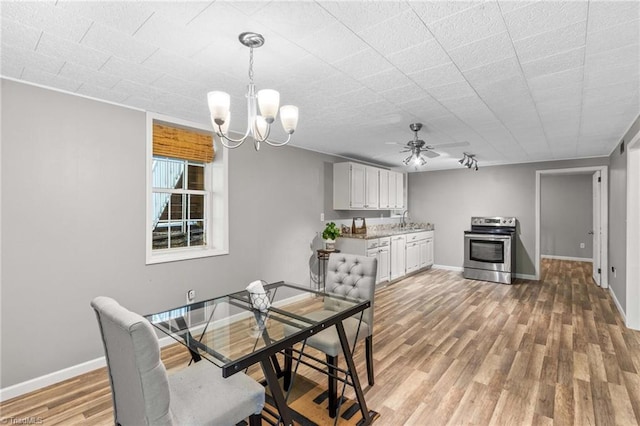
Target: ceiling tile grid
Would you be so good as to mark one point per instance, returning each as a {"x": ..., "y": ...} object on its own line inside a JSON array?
[{"x": 517, "y": 80}]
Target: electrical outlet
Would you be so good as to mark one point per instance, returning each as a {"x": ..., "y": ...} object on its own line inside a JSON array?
[
  {"x": 191, "y": 296},
  {"x": 321, "y": 217},
  {"x": 581, "y": 245}
]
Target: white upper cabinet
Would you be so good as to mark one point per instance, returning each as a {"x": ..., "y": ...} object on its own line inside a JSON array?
[
  {"x": 360, "y": 187},
  {"x": 383, "y": 201},
  {"x": 371, "y": 188}
]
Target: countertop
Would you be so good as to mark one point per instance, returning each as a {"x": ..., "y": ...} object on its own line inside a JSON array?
[{"x": 388, "y": 232}]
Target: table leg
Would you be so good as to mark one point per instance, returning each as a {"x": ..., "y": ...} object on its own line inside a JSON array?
[
  {"x": 276, "y": 391},
  {"x": 366, "y": 417}
]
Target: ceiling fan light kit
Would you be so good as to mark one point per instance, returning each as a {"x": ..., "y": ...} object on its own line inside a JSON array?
[
  {"x": 469, "y": 161},
  {"x": 268, "y": 100}
]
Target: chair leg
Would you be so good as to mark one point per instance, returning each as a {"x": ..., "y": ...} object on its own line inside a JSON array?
[
  {"x": 333, "y": 385},
  {"x": 255, "y": 420},
  {"x": 369, "y": 354},
  {"x": 288, "y": 363}
]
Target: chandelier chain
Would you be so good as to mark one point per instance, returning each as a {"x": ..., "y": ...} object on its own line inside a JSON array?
[{"x": 251, "y": 65}]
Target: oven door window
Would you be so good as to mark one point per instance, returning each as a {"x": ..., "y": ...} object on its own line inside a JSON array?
[{"x": 486, "y": 251}]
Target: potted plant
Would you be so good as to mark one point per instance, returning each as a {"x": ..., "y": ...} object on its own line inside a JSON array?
[{"x": 329, "y": 235}]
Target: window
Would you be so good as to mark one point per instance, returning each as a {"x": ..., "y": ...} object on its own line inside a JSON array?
[{"x": 186, "y": 192}]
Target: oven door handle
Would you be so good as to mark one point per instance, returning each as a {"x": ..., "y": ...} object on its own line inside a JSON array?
[{"x": 488, "y": 237}]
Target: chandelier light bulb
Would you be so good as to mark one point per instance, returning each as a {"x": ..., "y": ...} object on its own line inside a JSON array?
[
  {"x": 224, "y": 128},
  {"x": 269, "y": 101},
  {"x": 261, "y": 127},
  {"x": 289, "y": 118},
  {"x": 218, "y": 105}
]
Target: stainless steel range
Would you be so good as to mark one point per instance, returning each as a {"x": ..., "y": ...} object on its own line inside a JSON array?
[{"x": 489, "y": 249}]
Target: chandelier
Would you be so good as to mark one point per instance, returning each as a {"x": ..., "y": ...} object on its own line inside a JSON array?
[
  {"x": 258, "y": 125},
  {"x": 469, "y": 161}
]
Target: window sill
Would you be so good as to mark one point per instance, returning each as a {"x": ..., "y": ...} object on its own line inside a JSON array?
[{"x": 187, "y": 254}]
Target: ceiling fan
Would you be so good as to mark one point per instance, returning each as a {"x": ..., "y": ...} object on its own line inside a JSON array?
[{"x": 417, "y": 148}]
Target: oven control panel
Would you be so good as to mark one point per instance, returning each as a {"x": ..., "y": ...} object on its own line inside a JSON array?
[{"x": 493, "y": 221}]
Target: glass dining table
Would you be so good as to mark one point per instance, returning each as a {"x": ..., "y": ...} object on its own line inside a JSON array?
[{"x": 231, "y": 333}]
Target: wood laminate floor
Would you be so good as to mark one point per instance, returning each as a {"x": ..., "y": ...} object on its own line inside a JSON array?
[{"x": 450, "y": 351}]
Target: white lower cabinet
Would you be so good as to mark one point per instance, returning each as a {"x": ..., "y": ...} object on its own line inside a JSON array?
[
  {"x": 372, "y": 247},
  {"x": 397, "y": 257}
]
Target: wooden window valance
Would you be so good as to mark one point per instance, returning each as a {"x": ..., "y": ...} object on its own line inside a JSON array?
[{"x": 176, "y": 142}]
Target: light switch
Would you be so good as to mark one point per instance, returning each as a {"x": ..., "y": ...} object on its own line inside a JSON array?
[{"x": 581, "y": 245}]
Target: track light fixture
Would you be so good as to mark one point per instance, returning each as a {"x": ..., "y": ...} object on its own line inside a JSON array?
[{"x": 469, "y": 161}]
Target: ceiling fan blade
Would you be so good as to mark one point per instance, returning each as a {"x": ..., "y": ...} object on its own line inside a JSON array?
[
  {"x": 430, "y": 154},
  {"x": 394, "y": 143}
]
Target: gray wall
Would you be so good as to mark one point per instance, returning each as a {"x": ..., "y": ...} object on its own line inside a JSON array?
[
  {"x": 618, "y": 217},
  {"x": 449, "y": 198},
  {"x": 69, "y": 165},
  {"x": 566, "y": 215}
]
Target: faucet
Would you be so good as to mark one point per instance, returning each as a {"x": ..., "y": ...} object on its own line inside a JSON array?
[{"x": 403, "y": 222}]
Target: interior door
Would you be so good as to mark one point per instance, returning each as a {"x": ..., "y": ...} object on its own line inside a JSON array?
[{"x": 597, "y": 231}]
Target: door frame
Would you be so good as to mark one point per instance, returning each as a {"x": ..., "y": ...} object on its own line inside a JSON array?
[
  {"x": 604, "y": 215},
  {"x": 632, "y": 313}
]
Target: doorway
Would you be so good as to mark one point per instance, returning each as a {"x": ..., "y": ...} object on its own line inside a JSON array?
[{"x": 600, "y": 218}]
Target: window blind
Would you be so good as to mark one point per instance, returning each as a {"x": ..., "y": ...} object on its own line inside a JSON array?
[{"x": 176, "y": 142}]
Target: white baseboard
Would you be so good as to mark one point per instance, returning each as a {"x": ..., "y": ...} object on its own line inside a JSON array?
[
  {"x": 618, "y": 305},
  {"x": 575, "y": 259},
  {"x": 448, "y": 268},
  {"x": 75, "y": 370}
]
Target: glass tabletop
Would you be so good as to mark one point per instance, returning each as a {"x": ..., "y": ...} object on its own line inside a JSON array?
[{"x": 229, "y": 332}]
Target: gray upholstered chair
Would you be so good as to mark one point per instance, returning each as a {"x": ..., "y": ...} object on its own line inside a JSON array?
[
  {"x": 143, "y": 393},
  {"x": 353, "y": 276}
]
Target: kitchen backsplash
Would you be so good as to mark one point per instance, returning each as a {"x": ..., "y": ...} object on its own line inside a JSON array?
[{"x": 382, "y": 224}]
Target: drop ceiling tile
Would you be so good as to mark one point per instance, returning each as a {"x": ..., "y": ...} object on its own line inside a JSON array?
[
  {"x": 554, "y": 63},
  {"x": 597, "y": 78},
  {"x": 183, "y": 12},
  {"x": 459, "y": 89},
  {"x": 130, "y": 71},
  {"x": 605, "y": 14},
  {"x": 432, "y": 11},
  {"x": 552, "y": 42},
  {"x": 544, "y": 16},
  {"x": 613, "y": 37},
  {"x": 483, "y": 52},
  {"x": 425, "y": 107},
  {"x": 508, "y": 91},
  {"x": 628, "y": 55},
  {"x": 386, "y": 80},
  {"x": 165, "y": 62},
  {"x": 171, "y": 36},
  {"x": 557, "y": 93},
  {"x": 356, "y": 17},
  {"x": 88, "y": 76},
  {"x": 507, "y": 6},
  {"x": 100, "y": 92},
  {"x": 46, "y": 16},
  {"x": 294, "y": 20},
  {"x": 559, "y": 79},
  {"x": 106, "y": 39},
  {"x": 619, "y": 92},
  {"x": 333, "y": 43},
  {"x": 437, "y": 76},
  {"x": 35, "y": 75},
  {"x": 17, "y": 35},
  {"x": 403, "y": 94},
  {"x": 493, "y": 72},
  {"x": 468, "y": 26},
  {"x": 179, "y": 86},
  {"x": 396, "y": 33},
  {"x": 122, "y": 16},
  {"x": 57, "y": 47},
  {"x": 363, "y": 96},
  {"x": 419, "y": 57},
  {"x": 362, "y": 64},
  {"x": 30, "y": 59}
]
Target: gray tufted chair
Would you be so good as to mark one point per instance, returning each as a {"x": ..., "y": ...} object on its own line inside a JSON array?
[
  {"x": 142, "y": 392},
  {"x": 353, "y": 276}
]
